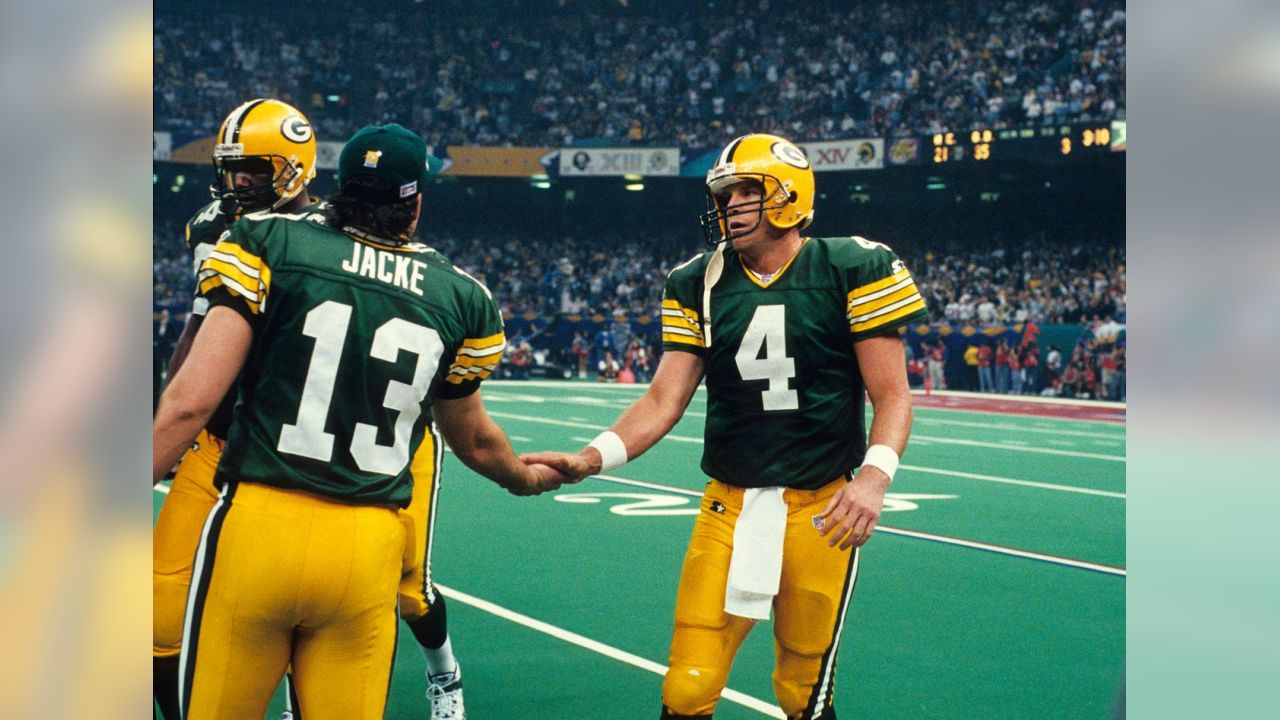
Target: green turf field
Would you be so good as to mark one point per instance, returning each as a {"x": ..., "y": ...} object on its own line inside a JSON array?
[{"x": 994, "y": 589}]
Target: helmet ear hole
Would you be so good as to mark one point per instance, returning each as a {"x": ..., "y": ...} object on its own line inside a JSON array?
[{"x": 794, "y": 196}]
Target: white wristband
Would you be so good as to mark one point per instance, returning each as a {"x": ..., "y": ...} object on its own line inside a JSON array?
[
  {"x": 883, "y": 457},
  {"x": 613, "y": 454}
]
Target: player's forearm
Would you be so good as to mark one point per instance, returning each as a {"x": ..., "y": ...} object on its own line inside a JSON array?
[
  {"x": 487, "y": 451},
  {"x": 183, "y": 346},
  {"x": 891, "y": 420},
  {"x": 177, "y": 423}
]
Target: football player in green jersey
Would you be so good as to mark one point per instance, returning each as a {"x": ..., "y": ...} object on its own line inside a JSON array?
[
  {"x": 264, "y": 157},
  {"x": 345, "y": 341},
  {"x": 789, "y": 332}
]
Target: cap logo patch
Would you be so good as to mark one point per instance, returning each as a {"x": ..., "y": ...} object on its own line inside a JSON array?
[
  {"x": 789, "y": 154},
  {"x": 371, "y": 158},
  {"x": 408, "y": 189},
  {"x": 296, "y": 129}
]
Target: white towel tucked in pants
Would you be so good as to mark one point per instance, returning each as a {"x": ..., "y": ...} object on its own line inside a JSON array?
[{"x": 755, "y": 566}]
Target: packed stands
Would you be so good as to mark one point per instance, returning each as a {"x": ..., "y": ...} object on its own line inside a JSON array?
[{"x": 697, "y": 74}]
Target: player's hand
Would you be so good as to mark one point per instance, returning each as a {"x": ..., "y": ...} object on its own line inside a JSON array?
[
  {"x": 852, "y": 513},
  {"x": 577, "y": 465},
  {"x": 541, "y": 478}
]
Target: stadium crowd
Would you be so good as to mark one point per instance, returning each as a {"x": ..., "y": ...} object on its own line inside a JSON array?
[
  {"x": 683, "y": 75},
  {"x": 1083, "y": 284}
]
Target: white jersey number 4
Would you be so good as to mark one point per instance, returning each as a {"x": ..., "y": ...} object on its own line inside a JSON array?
[{"x": 763, "y": 356}]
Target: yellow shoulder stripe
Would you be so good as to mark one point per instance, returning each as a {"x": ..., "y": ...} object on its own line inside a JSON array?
[
  {"x": 887, "y": 318},
  {"x": 881, "y": 284}
]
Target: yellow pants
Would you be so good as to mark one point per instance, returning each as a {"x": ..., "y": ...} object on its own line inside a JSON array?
[
  {"x": 419, "y": 519},
  {"x": 285, "y": 577},
  {"x": 192, "y": 496},
  {"x": 174, "y": 541},
  {"x": 816, "y": 584}
]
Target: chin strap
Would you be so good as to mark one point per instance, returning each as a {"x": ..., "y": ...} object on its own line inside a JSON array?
[{"x": 715, "y": 267}]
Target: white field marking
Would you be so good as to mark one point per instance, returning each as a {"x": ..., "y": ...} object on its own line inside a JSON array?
[
  {"x": 1029, "y": 399},
  {"x": 1013, "y": 552},
  {"x": 162, "y": 488},
  {"x": 1063, "y": 443},
  {"x": 914, "y": 440},
  {"x": 640, "y": 387},
  {"x": 577, "y": 418},
  {"x": 998, "y": 549},
  {"x": 1108, "y": 443},
  {"x": 503, "y": 397},
  {"x": 577, "y": 422},
  {"x": 1022, "y": 443},
  {"x": 520, "y": 438},
  {"x": 596, "y": 646},
  {"x": 1014, "y": 481},
  {"x": 1007, "y": 427},
  {"x": 1043, "y": 451},
  {"x": 634, "y": 390}
]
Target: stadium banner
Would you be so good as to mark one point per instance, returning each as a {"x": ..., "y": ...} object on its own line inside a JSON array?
[
  {"x": 161, "y": 145},
  {"x": 619, "y": 161},
  {"x": 905, "y": 151},
  {"x": 496, "y": 161},
  {"x": 860, "y": 154}
]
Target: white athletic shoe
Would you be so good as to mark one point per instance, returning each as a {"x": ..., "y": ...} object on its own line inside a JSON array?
[
  {"x": 445, "y": 693},
  {"x": 286, "y": 715}
]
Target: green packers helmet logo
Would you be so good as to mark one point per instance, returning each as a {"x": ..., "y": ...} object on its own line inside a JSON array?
[
  {"x": 371, "y": 158},
  {"x": 789, "y": 154},
  {"x": 295, "y": 128}
]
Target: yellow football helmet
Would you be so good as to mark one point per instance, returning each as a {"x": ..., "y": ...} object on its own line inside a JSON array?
[
  {"x": 264, "y": 136},
  {"x": 779, "y": 166}
]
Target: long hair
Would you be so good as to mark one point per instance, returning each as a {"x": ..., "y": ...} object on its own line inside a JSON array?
[{"x": 349, "y": 208}]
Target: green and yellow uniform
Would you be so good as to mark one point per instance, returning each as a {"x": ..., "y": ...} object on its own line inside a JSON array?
[
  {"x": 785, "y": 405},
  {"x": 304, "y": 549},
  {"x": 192, "y": 494}
]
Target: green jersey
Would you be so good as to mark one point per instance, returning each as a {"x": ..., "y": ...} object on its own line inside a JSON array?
[
  {"x": 351, "y": 341},
  {"x": 785, "y": 398},
  {"x": 203, "y": 232}
]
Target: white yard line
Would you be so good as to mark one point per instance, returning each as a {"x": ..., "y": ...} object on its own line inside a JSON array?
[
  {"x": 943, "y": 539},
  {"x": 596, "y": 646}
]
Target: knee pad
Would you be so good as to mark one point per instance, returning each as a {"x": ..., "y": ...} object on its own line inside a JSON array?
[{"x": 691, "y": 692}]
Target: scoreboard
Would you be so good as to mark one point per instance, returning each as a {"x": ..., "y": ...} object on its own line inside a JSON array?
[{"x": 1053, "y": 142}]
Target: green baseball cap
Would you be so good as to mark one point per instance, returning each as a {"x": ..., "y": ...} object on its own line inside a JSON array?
[{"x": 392, "y": 154}]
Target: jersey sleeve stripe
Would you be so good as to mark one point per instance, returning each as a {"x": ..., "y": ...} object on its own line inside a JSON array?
[
  {"x": 679, "y": 322},
  {"x": 905, "y": 291},
  {"x": 457, "y": 377},
  {"x": 881, "y": 284},
  {"x": 858, "y": 300},
  {"x": 675, "y": 305},
  {"x": 886, "y": 309},
  {"x": 232, "y": 273},
  {"x": 497, "y": 339},
  {"x": 229, "y": 259},
  {"x": 887, "y": 319},
  {"x": 481, "y": 352},
  {"x": 677, "y": 339},
  {"x": 463, "y": 361}
]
